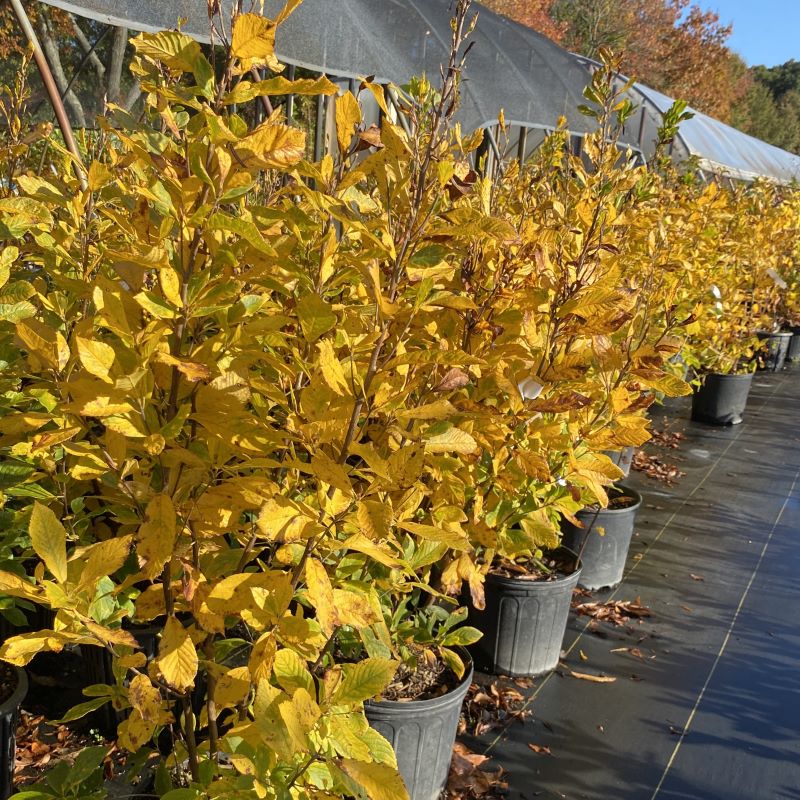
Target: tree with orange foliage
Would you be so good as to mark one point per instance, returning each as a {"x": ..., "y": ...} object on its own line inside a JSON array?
[
  {"x": 536, "y": 14},
  {"x": 672, "y": 45}
]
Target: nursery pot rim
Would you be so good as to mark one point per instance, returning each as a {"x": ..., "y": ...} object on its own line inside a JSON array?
[
  {"x": 516, "y": 581},
  {"x": 767, "y": 334},
  {"x": 627, "y": 491},
  {"x": 728, "y": 376},
  {"x": 18, "y": 695},
  {"x": 432, "y": 703}
]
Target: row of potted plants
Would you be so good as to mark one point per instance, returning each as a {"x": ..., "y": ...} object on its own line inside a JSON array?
[{"x": 281, "y": 439}]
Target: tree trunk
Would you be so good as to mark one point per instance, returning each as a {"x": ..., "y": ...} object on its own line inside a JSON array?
[
  {"x": 86, "y": 46},
  {"x": 134, "y": 93},
  {"x": 115, "y": 63},
  {"x": 50, "y": 49}
]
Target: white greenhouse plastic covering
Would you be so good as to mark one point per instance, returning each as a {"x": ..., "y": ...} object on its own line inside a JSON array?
[
  {"x": 510, "y": 67},
  {"x": 723, "y": 150}
]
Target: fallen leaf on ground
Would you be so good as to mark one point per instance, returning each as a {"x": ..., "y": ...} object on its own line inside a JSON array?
[
  {"x": 541, "y": 749},
  {"x": 584, "y": 676},
  {"x": 687, "y": 609},
  {"x": 634, "y": 651},
  {"x": 666, "y": 439},
  {"x": 656, "y": 468},
  {"x": 494, "y": 705},
  {"x": 618, "y": 612},
  {"x": 467, "y": 781}
]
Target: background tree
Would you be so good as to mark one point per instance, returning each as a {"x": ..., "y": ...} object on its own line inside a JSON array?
[
  {"x": 536, "y": 14},
  {"x": 88, "y": 60},
  {"x": 771, "y": 107},
  {"x": 672, "y": 45}
]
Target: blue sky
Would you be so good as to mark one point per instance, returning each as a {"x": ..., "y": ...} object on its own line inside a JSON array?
[{"x": 764, "y": 31}]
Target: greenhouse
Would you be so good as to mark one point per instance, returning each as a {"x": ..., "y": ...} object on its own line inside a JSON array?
[{"x": 394, "y": 405}]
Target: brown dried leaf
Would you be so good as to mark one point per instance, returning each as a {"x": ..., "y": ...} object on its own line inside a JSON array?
[{"x": 540, "y": 748}]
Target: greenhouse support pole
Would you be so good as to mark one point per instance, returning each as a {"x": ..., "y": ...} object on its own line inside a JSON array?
[{"x": 52, "y": 90}]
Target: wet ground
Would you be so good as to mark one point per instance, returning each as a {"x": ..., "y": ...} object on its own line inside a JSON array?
[{"x": 708, "y": 707}]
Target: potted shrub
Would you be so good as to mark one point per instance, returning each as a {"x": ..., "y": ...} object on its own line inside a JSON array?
[
  {"x": 240, "y": 416},
  {"x": 602, "y": 536},
  {"x": 745, "y": 246},
  {"x": 553, "y": 332},
  {"x": 197, "y": 347}
]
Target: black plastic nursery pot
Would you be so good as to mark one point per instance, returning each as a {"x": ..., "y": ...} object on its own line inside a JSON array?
[
  {"x": 721, "y": 399},
  {"x": 623, "y": 459},
  {"x": 774, "y": 349},
  {"x": 524, "y": 621},
  {"x": 604, "y": 540},
  {"x": 793, "y": 353},
  {"x": 422, "y": 734},
  {"x": 99, "y": 669},
  {"x": 9, "y": 716}
]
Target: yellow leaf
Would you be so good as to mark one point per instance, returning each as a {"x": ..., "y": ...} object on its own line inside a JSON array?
[
  {"x": 44, "y": 343},
  {"x": 272, "y": 146},
  {"x": 253, "y": 42},
  {"x": 110, "y": 635},
  {"x": 441, "y": 409},
  {"x": 232, "y": 688},
  {"x": 19, "y": 650},
  {"x": 19, "y": 587},
  {"x": 374, "y": 518},
  {"x": 315, "y": 315},
  {"x": 193, "y": 370},
  {"x": 379, "y": 781},
  {"x": 49, "y": 540},
  {"x": 320, "y": 593},
  {"x": 306, "y": 711},
  {"x": 277, "y": 720},
  {"x": 156, "y": 537},
  {"x": 177, "y": 657},
  {"x": 348, "y": 115},
  {"x": 354, "y": 609},
  {"x": 453, "y": 440},
  {"x": 134, "y": 732},
  {"x": 266, "y": 595},
  {"x": 43, "y": 441},
  {"x": 104, "y": 407},
  {"x": 105, "y": 558},
  {"x": 282, "y": 519},
  {"x": 291, "y": 672},
  {"x": 327, "y": 470},
  {"x": 453, "y": 539},
  {"x": 171, "y": 286},
  {"x": 262, "y": 657},
  {"x": 331, "y": 368},
  {"x": 361, "y": 544},
  {"x": 145, "y": 698},
  {"x": 97, "y": 357}
]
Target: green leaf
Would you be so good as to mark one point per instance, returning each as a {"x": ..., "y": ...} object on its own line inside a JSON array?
[
  {"x": 82, "y": 709},
  {"x": 364, "y": 680},
  {"x": 462, "y": 636}
]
